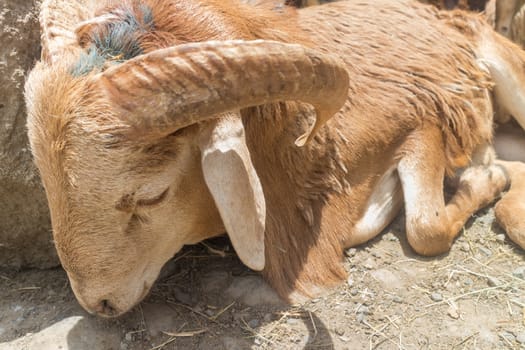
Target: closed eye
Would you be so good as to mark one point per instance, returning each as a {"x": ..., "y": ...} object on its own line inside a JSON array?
[{"x": 152, "y": 201}]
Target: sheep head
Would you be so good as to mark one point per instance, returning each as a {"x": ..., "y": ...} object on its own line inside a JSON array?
[{"x": 141, "y": 157}]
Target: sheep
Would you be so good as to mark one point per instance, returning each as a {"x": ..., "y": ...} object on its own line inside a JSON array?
[{"x": 160, "y": 123}]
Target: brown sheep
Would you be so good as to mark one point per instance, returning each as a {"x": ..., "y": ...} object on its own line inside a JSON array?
[{"x": 160, "y": 123}]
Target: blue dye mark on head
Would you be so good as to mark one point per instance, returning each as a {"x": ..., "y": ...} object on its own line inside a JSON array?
[
  {"x": 87, "y": 62},
  {"x": 119, "y": 43},
  {"x": 147, "y": 15}
]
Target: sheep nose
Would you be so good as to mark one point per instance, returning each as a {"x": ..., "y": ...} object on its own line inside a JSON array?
[{"x": 105, "y": 309}]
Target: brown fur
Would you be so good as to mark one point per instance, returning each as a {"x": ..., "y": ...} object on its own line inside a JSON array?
[
  {"x": 414, "y": 77},
  {"x": 221, "y": 22}
]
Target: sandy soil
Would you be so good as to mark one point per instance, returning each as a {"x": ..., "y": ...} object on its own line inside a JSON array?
[{"x": 472, "y": 298}]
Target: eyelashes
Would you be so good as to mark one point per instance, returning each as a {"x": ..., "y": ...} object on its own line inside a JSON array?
[
  {"x": 153, "y": 201},
  {"x": 128, "y": 204}
]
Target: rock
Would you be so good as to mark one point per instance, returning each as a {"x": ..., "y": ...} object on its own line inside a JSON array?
[
  {"x": 344, "y": 339},
  {"x": 390, "y": 237},
  {"x": 519, "y": 272},
  {"x": 292, "y": 321},
  {"x": 486, "y": 220},
  {"x": 350, "y": 252},
  {"x": 363, "y": 310},
  {"x": 485, "y": 251},
  {"x": 73, "y": 333},
  {"x": 339, "y": 331},
  {"x": 388, "y": 279},
  {"x": 520, "y": 338},
  {"x": 465, "y": 247},
  {"x": 508, "y": 336},
  {"x": 437, "y": 297},
  {"x": 493, "y": 281},
  {"x": 500, "y": 238},
  {"x": 369, "y": 264},
  {"x": 453, "y": 311},
  {"x": 254, "y": 323},
  {"x": 350, "y": 282},
  {"x": 25, "y": 239}
]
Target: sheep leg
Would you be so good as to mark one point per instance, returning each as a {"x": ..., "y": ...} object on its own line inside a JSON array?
[
  {"x": 383, "y": 206},
  {"x": 510, "y": 210},
  {"x": 431, "y": 226}
]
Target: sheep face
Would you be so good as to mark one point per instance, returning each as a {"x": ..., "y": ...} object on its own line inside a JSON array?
[{"x": 119, "y": 209}]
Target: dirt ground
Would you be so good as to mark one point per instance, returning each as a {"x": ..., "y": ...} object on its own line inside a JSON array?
[{"x": 472, "y": 298}]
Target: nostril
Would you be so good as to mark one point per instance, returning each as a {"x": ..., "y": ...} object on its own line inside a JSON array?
[{"x": 106, "y": 309}]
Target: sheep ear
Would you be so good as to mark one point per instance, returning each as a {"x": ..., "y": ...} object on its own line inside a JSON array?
[
  {"x": 235, "y": 187},
  {"x": 58, "y": 19}
]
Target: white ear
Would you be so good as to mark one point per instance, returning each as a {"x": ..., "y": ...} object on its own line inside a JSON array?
[{"x": 235, "y": 187}]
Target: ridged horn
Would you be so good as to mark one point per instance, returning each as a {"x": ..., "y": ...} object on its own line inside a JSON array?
[
  {"x": 171, "y": 88},
  {"x": 58, "y": 20}
]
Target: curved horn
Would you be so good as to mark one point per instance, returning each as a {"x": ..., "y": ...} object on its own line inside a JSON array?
[
  {"x": 58, "y": 19},
  {"x": 175, "y": 87}
]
